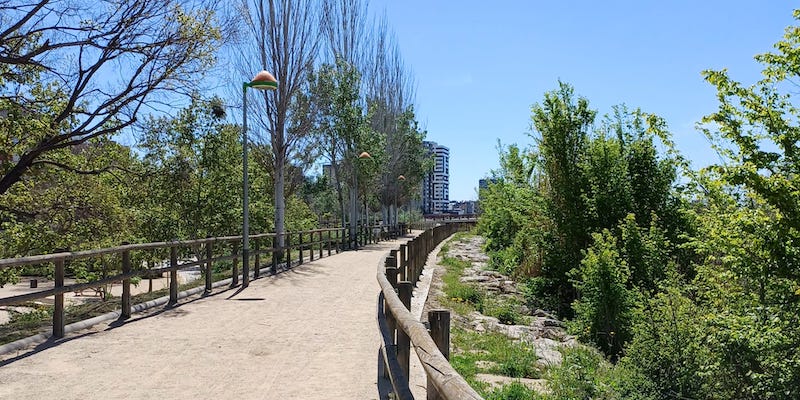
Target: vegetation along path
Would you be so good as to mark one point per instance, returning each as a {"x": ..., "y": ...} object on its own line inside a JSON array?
[{"x": 307, "y": 333}]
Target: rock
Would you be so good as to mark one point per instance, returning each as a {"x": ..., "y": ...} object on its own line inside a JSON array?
[
  {"x": 523, "y": 309},
  {"x": 495, "y": 381},
  {"x": 483, "y": 364},
  {"x": 493, "y": 274},
  {"x": 547, "y": 352},
  {"x": 466, "y": 279},
  {"x": 553, "y": 322},
  {"x": 541, "y": 313}
]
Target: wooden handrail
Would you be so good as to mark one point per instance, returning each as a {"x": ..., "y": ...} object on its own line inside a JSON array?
[
  {"x": 446, "y": 381},
  {"x": 311, "y": 240}
]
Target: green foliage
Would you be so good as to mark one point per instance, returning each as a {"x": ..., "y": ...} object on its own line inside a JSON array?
[
  {"x": 585, "y": 374},
  {"x": 195, "y": 187},
  {"x": 499, "y": 355},
  {"x": 513, "y": 216},
  {"x": 562, "y": 123},
  {"x": 506, "y": 311},
  {"x": 604, "y": 310},
  {"x": 511, "y": 391},
  {"x": 464, "y": 297}
]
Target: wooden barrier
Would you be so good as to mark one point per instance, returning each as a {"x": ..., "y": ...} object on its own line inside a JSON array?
[
  {"x": 208, "y": 251},
  {"x": 399, "y": 330}
]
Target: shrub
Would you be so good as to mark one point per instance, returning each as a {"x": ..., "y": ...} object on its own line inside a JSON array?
[{"x": 512, "y": 391}]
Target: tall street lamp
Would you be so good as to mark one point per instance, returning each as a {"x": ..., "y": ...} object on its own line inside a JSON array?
[
  {"x": 354, "y": 208},
  {"x": 262, "y": 81}
]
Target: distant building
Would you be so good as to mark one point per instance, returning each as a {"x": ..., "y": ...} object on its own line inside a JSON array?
[
  {"x": 436, "y": 184},
  {"x": 484, "y": 183},
  {"x": 463, "y": 207}
]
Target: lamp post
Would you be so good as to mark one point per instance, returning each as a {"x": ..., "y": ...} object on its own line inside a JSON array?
[
  {"x": 262, "y": 81},
  {"x": 354, "y": 208}
]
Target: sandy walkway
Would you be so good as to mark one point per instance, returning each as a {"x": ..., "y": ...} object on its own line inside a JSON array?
[{"x": 308, "y": 333}]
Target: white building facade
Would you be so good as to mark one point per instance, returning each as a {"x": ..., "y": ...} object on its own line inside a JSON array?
[{"x": 436, "y": 184}]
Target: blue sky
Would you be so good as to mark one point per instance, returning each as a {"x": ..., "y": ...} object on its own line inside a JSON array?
[{"x": 479, "y": 66}]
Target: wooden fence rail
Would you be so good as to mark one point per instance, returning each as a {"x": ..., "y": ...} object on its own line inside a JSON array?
[
  {"x": 208, "y": 251},
  {"x": 399, "y": 330}
]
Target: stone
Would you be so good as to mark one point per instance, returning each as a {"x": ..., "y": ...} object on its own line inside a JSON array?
[{"x": 496, "y": 381}]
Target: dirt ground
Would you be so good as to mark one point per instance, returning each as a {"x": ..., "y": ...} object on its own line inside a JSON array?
[
  {"x": 308, "y": 333},
  {"x": 23, "y": 287}
]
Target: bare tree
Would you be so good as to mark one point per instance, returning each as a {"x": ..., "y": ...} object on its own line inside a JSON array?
[
  {"x": 284, "y": 36},
  {"x": 86, "y": 69},
  {"x": 347, "y": 34},
  {"x": 390, "y": 95}
]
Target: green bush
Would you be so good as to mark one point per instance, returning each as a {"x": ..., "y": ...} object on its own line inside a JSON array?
[
  {"x": 604, "y": 311},
  {"x": 508, "y": 358},
  {"x": 511, "y": 391},
  {"x": 585, "y": 374},
  {"x": 465, "y": 293},
  {"x": 504, "y": 310}
]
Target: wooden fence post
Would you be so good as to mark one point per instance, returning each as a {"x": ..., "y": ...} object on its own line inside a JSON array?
[
  {"x": 391, "y": 276},
  {"x": 126, "y": 284},
  {"x": 403, "y": 260},
  {"x": 300, "y": 245},
  {"x": 257, "y": 266},
  {"x": 288, "y": 250},
  {"x": 403, "y": 341},
  {"x": 311, "y": 245},
  {"x": 209, "y": 268},
  {"x": 58, "y": 310},
  {"x": 235, "y": 265},
  {"x": 329, "y": 243},
  {"x": 173, "y": 275},
  {"x": 274, "y": 266},
  {"x": 439, "y": 321},
  {"x": 321, "y": 245}
]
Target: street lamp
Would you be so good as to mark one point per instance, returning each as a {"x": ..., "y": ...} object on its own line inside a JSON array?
[
  {"x": 262, "y": 81},
  {"x": 354, "y": 208}
]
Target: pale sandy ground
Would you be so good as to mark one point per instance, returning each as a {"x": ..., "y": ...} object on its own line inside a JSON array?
[
  {"x": 23, "y": 287},
  {"x": 308, "y": 333}
]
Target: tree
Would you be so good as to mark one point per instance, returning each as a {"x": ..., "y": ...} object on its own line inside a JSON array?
[
  {"x": 563, "y": 123},
  {"x": 195, "y": 173},
  {"x": 59, "y": 64},
  {"x": 343, "y": 126},
  {"x": 285, "y": 36}
]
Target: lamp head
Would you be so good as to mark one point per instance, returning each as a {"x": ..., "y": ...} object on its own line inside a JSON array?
[{"x": 264, "y": 81}]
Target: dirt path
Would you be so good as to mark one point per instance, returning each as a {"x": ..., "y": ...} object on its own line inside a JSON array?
[{"x": 308, "y": 333}]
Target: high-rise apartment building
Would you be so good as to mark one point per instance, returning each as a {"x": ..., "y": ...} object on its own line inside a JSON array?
[{"x": 436, "y": 184}]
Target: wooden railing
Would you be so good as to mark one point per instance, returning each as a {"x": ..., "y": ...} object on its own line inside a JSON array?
[
  {"x": 399, "y": 329},
  {"x": 299, "y": 246}
]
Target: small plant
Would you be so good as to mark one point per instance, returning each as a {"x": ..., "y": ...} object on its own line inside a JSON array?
[
  {"x": 465, "y": 293},
  {"x": 505, "y": 311},
  {"x": 512, "y": 391},
  {"x": 34, "y": 316},
  {"x": 514, "y": 359}
]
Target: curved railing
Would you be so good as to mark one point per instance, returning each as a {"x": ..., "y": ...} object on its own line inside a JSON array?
[{"x": 399, "y": 330}]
